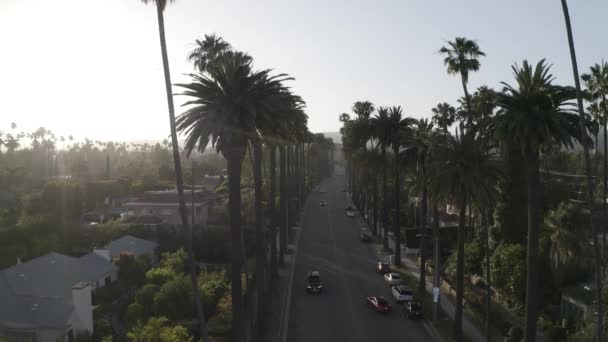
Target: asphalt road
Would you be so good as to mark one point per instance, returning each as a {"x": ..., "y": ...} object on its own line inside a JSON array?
[{"x": 329, "y": 242}]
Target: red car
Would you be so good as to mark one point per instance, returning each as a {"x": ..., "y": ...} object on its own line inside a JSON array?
[
  {"x": 378, "y": 304},
  {"x": 383, "y": 268}
]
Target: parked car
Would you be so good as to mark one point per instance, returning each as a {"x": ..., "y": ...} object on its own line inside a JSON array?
[
  {"x": 350, "y": 213},
  {"x": 383, "y": 267},
  {"x": 313, "y": 282},
  {"x": 378, "y": 304},
  {"x": 402, "y": 293},
  {"x": 365, "y": 236},
  {"x": 393, "y": 279},
  {"x": 323, "y": 204},
  {"x": 411, "y": 310},
  {"x": 323, "y": 190}
]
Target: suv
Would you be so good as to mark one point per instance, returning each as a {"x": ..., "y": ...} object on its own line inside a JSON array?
[
  {"x": 411, "y": 310},
  {"x": 313, "y": 282},
  {"x": 402, "y": 293}
]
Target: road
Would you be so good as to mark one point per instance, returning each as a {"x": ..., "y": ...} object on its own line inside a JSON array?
[{"x": 329, "y": 242}]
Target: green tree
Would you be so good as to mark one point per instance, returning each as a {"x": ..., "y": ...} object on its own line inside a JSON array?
[
  {"x": 509, "y": 273},
  {"x": 160, "y": 8},
  {"x": 207, "y": 51},
  {"x": 462, "y": 57},
  {"x": 159, "y": 329},
  {"x": 174, "y": 299},
  {"x": 531, "y": 116},
  {"x": 444, "y": 115},
  {"x": 380, "y": 125}
]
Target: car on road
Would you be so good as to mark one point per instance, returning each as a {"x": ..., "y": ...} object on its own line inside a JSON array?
[
  {"x": 323, "y": 190},
  {"x": 393, "y": 279},
  {"x": 365, "y": 236},
  {"x": 323, "y": 204},
  {"x": 313, "y": 282},
  {"x": 350, "y": 213},
  {"x": 411, "y": 310},
  {"x": 378, "y": 304},
  {"x": 402, "y": 293},
  {"x": 383, "y": 267}
]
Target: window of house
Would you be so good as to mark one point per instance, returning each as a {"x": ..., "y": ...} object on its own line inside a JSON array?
[
  {"x": 150, "y": 211},
  {"x": 166, "y": 212},
  {"x": 108, "y": 280}
]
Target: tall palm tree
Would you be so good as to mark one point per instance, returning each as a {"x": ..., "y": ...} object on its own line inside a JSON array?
[
  {"x": 597, "y": 84},
  {"x": 531, "y": 115},
  {"x": 589, "y": 191},
  {"x": 207, "y": 51},
  {"x": 461, "y": 169},
  {"x": 380, "y": 124},
  {"x": 461, "y": 57},
  {"x": 160, "y": 8},
  {"x": 423, "y": 140},
  {"x": 399, "y": 130},
  {"x": 444, "y": 115},
  {"x": 224, "y": 109}
]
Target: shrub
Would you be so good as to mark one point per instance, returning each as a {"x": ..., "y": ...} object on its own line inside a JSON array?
[{"x": 508, "y": 268}]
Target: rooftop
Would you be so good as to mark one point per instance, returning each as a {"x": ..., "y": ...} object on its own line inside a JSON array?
[{"x": 132, "y": 245}]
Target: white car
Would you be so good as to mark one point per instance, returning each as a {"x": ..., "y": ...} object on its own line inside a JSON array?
[
  {"x": 323, "y": 190},
  {"x": 402, "y": 293},
  {"x": 393, "y": 279},
  {"x": 350, "y": 213}
]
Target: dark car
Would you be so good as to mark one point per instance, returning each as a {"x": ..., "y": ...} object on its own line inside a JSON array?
[
  {"x": 313, "y": 282},
  {"x": 378, "y": 304},
  {"x": 411, "y": 310},
  {"x": 365, "y": 236},
  {"x": 323, "y": 204},
  {"x": 383, "y": 268}
]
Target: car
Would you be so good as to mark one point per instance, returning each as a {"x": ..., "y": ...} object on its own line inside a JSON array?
[
  {"x": 313, "y": 282},
  {"x": 323, "y": 190},
  {"x": 383, "y": 267},
  {"x": 392, "y": 279},
  {"x": 323, "y": 204},
  {"x": 349, "y": 208},
  {"x": 378, "y": 304},
  {"x": 402, "y": 293},
  {"x": 411, "y": 310},
  {"x": 365, "y": 236},
  {"x": 350, "y": 213}
]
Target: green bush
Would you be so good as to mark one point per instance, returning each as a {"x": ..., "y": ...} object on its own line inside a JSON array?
[
  {"x": 135, "y": 314},
  {"x": 175, "y": 299},
  {"x": 508, "y": 268}
]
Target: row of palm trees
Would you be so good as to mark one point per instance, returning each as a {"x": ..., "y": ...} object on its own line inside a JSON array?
[
  {"x": 237, "y": 109},
  {"x": 464, "y": 168}
]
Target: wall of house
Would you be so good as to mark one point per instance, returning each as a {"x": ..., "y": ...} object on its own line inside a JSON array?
[
  {"x": 170, "y": 214},
  {"x": 48, "y": 335},
  {"x": 17, "y": 335},
  {"x": 82, "y": 316}
]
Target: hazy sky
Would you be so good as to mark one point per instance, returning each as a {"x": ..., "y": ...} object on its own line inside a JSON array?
[{"x": 92, "y": 68}]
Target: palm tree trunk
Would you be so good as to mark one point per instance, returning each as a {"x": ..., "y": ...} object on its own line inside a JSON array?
[
  {"x": 273, "y": 212},
  {"x": 436, "y": 268},
  {"x": 375, "y": 185},
  {"x": 423, "y": 236},
  {"x": 282, "y": 205},
  {"x": 397, "y": 227},
  {"x": 460, "y": 267},
  {"x": 178, "y": 175},
  {"x": 234, "y": 165},
  {"x": 484, "y": 219},
  {"x": 589, "y": 191},
  {"x": 467, "y": 98},
  {"x": 605, "y": 171},
  {"x": 532, "y": 255},
  {"x": 384, "y": 200},
  {"x": 260, "y": 260}
]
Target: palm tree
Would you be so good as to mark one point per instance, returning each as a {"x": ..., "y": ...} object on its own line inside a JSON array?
[
  {"x": 424, "y": 139},
  {"x": 224, "y": 109},
  {"x": 597, "y": 84},
  {"x": 460, "y": 169},
  {"x": 399, "y": 131},
  {"x": 531, "y": 116},
  {"x": 462, "y": 57},
  {"x": 589, "y": 191},
  {"x": 380, "y": 125},
  {"x": 444, "y": 115},
  {"x": 160, "y": 8},
  {"x": 207, "y": 51}
]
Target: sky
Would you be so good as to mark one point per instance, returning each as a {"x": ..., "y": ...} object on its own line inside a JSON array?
[{"x": 92, "y": 68}]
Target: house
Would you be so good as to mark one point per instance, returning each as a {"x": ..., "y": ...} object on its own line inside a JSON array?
[
  {"x": 164, "y": 206},
  {"x": 49, "y": 298},
  {"x": 134, "y": 246}
]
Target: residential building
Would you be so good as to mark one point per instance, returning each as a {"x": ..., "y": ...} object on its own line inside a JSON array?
[
  {"x": 134, "y": 246},
  {"x": 49, "y": 298},
  {"x": 164, "y": 206}
]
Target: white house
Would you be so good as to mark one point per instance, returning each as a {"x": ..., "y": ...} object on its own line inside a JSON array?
[
  {"x": 48, "y": 299},
  {"x": 131, "y": 245},
  {"x": 164, "y": 206}
]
